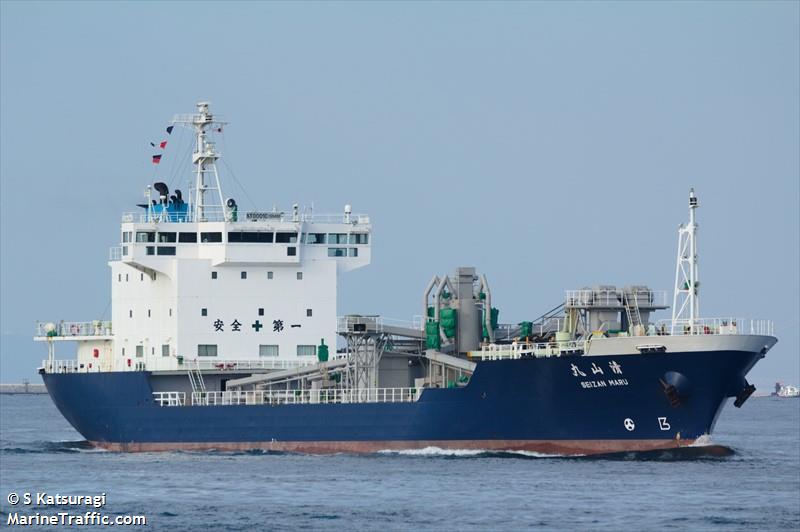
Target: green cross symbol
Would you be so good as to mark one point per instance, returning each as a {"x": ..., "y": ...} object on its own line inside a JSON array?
[{"x": 257, "y": 325}]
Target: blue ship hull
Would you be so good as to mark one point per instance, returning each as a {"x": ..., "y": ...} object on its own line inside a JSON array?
[{"x": 536, "y": 404}]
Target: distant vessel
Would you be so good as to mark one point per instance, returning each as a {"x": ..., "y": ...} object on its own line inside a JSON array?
[
  {"x": 785, "y": 390},
  {"x": 222, "y": 326}
]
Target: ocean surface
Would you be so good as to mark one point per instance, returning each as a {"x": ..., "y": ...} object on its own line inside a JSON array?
[{"x": 756, "y": 487}]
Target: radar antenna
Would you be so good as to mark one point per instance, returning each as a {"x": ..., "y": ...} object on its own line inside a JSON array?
[
  {"x": 205, "y": 160},
  {"x": 686, "y": 300}
]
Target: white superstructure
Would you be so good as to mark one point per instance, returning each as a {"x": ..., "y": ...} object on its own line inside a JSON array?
[{"x": 203, "y": 281}]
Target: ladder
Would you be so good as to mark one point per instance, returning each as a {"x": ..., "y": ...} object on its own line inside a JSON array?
[
  {"x": 632, "y": 309},
  {"x": 196, "y": 378}
]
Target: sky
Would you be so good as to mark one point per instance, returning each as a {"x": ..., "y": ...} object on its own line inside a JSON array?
[{"x": 550, "y": 145}]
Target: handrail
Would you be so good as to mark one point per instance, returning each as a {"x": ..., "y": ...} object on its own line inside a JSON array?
[
  {"x": 525, "y": 349},
  {"x": 378, "y": 323},
  {"x": 70, "y": 366},
  {"x": 217, "y": 214},
  {"x": 723, "y": 326},
  {"x": 318, "y": 396},
  {"x": 74, "y": 328},
  {"x": 590, "y": 297},
  {"x": 256, "y": 363},
  {"x": 169, "y": 398},
  {"x": 171, "y": 364}
]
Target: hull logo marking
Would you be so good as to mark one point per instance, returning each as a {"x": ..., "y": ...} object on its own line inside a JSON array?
[
  {"x": 663, "y": 424},
  {"x": 629, "y": 424}
]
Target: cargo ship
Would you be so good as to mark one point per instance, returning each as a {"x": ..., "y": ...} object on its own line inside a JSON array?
[
  {"x": 785, "y": 390},
  {"x": 224, "y": 335}
]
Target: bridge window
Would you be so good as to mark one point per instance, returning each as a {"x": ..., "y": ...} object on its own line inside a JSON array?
[
  {"x": 166, "y": 237},
  {"x": 315, "y": 238},
  {"x": 206, "y": 350},
  {"x": 145, "y": 236},
  {"x": 210, "y": 238},
  {"x": 306, "y": 350},
  {"x": 127, "y": 236},
  {"x": 285, "y": 238},
  {"x": 291, "y": 251},
  {"x": 166, "y": 250},
  {"x": 268, "y": 350},
  {"x": 352, "y": 252},
  {"x": 250, "y": 237},
  {"x": 337, "y": 238},
  {"x": 359, "y": 238},
  {"x": 151, "y": 250},
  {"x": 337, "y": 252},
  {"x": 187, "y": 237}
]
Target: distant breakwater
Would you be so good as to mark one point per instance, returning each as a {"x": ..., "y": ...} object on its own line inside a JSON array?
[{"x": 24, "y": 387}]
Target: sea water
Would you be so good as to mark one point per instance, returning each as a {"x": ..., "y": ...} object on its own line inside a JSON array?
[{"x": 756, "y": 487}]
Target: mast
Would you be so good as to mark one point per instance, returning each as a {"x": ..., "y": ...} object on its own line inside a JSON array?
[
  {"x": 686, "y": 299},
  {"x": 207, "y": 205}
]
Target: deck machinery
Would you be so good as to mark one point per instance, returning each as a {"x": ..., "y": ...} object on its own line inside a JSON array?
[{"x": 459, "y": 322}]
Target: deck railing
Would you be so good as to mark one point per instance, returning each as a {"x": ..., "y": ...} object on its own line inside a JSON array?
[
  {"x": 237, "y": 365},
  {"x": 70, "y": 366},
  {"x": 350, "y": 323},
  {"x": 171, "y": 364},
  {"x": 615, "y": 297},
  {"x": 528, "y": 349},
  {"x": 74, "y": 328},
  {"x": 724, "y": 326},
  {"x": 169, "y": 398},
  {"x": 304, "y": 397},
  {"x": 702, "y": 326},
  {"x": 219, "y": 215}
]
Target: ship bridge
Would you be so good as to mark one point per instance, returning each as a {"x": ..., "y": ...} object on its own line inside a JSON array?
[
  {"x": 150, "y": 240},
  {"x": 198, "y": 282}
]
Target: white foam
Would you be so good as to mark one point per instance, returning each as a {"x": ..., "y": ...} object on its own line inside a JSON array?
[
  {"x": 438, "y": 451},
  {"x": 703, "y": 440}
]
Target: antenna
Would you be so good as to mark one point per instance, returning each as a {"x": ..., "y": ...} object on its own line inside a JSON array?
[
  {"x": 686, "y": 300},
  {"x": 205, "y": 159}
]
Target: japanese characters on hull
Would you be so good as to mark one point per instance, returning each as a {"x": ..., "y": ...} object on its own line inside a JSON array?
[{"x": 598, "y": 378}]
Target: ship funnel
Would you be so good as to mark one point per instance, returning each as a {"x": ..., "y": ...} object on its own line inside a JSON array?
[{"x": 163, "y": 191}]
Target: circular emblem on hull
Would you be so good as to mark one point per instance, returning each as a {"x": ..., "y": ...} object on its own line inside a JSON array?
[{"x": 629, "y": 424}]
